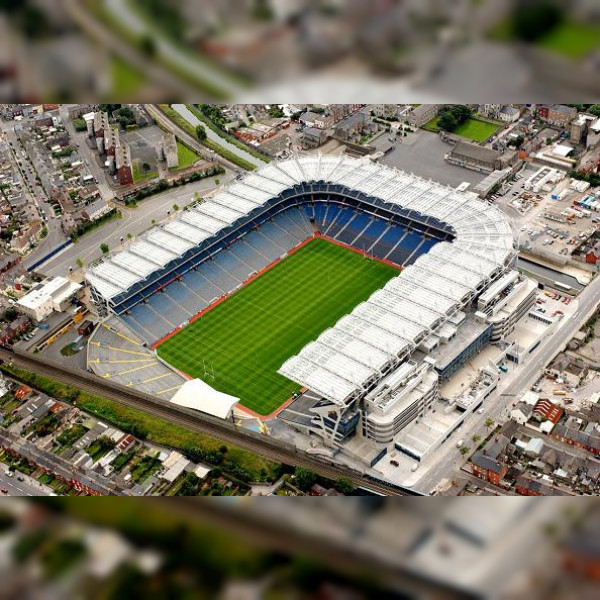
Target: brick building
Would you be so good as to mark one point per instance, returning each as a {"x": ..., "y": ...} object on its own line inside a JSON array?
[{"x": 558, "y": 115}]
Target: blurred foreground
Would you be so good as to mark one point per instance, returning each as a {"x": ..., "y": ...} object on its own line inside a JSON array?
[
  {"x": 311, "y": 50},
  {"x": 342, "y": 548}
]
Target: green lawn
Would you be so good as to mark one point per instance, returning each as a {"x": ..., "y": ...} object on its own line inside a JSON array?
[
  {"x": 573, "y": 40},
  {"x": 245, "y": 339},
  {"x": 473, "y": 129},
  {"x": 140, "y": 175},
  {"x": 187, "y": 157}
]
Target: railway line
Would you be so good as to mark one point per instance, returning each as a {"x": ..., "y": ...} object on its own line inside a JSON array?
[{"x": 225, "y": 431}]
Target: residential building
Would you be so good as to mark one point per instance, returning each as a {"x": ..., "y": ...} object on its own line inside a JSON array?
[
  {"x": 309, "y": 119},
  {"x": 312, "y": 138},
  {"x": 354, "y": 125},
  {"x": 341, "y": 111},
  {"x": 525, "y": 486},
  {"x": 17, "y": 327},
  {"x": 324, "y": 121},
  {"x": 509, "y": 114},
  {"x": 558, "y": 115},
  {"x": 571, "y": 433},
  {"x": 385, "y": 110},
  {"x": 487, "y": 468},
  {"x": 96, "y": 210}
]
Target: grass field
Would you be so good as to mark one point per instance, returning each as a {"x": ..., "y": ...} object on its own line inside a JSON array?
[
  {"x": 245, "y": 339},
  {"x": 139, "y": 175},
  {"x": 187, "y": 157},
  {"x": 473, "y": 129}
]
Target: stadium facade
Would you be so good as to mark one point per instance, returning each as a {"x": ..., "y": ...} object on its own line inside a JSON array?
[{"x": 379, "y": 367}]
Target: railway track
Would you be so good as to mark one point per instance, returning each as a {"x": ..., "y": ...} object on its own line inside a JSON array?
[{"x": 225, "y": 431}]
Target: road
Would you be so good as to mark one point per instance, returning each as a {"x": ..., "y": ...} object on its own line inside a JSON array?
[
  {"x": 27, "y": 487},
  {"x": 135, "y": 221},
  {"x": 447, "y": 460},
  {"x": 191, "y": 118},
  {"x": 192, "y": 420}
]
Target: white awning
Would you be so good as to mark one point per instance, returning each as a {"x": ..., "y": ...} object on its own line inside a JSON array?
[{"x": 200, "y": 396}]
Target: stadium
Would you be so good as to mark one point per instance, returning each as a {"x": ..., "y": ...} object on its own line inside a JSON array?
[{"x": 317, "y": 289}]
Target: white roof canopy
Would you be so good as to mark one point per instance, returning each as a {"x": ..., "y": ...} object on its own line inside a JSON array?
[{"x": 200, "y": 396}]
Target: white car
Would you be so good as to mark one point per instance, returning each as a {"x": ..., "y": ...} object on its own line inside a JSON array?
[{"x": 460, "y": 443}]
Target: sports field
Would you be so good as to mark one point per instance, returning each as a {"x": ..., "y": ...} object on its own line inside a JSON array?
[{"x": 243, "y": 341}]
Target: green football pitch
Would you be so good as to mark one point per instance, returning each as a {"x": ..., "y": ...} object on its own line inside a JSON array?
[{"x": 238, "y": 346}]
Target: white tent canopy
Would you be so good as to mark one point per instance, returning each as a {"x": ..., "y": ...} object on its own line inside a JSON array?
[{"x": 200, "y": 396}]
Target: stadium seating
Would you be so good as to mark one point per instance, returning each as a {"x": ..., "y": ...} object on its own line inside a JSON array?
[{"x": 257, "y": 248}]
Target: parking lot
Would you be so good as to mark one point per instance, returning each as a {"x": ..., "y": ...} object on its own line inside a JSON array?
[
  {"x": 143, "y": 143},
  {"x": 544, "y": 230},
  {"x": 422, "y": 153}
]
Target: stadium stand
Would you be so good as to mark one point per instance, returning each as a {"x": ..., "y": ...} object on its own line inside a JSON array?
[{"x": 115, "y": 353}]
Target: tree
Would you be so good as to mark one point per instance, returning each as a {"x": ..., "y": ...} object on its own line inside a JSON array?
[
  {"x": 200, "y": 132},
  {"x": 80, "y": 125},
  {"x": 476, "y": 438},
  {"x": 129, "y": 236},
  {"x": 79, "y": 263},
  {"x": 344, "y": 486},
  {"x": 217, "y": 181},
  {"x": 146, "y": 166},
  {"x": 594, "y": 109},
  {"x": 10, "y": 314},
  {"x": 304, "y": 478},
  {"x": 488, "y": 422},
  {"x": 105, "y": 249},
  {"x": 175, "y": 207},
  {"x": 447, "y": 122},
  {"x": 464, "y": 449}
]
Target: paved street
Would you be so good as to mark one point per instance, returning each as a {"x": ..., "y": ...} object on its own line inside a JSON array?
[
  {"x": 447, "y": 460},
  {"x": 27, "y": 487},
  {"x": 134, "y": 221}
]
